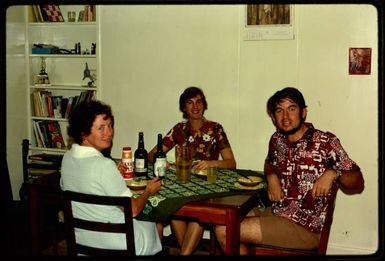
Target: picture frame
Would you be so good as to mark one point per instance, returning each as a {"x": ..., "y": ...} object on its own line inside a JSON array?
[
  {"x": 360, "y": 60},
  {"x": 269, "y": 22}
]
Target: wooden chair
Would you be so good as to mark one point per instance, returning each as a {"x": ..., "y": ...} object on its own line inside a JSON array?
[
  {"x": 322, "y": 247},
  {"x": 52, "y": 231},
  {"x": 71, "y": 223}
]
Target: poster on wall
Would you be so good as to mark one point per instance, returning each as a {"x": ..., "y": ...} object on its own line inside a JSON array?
[
  {"x": 360, "y": 60},
  {"x": 268, "y": 22}
]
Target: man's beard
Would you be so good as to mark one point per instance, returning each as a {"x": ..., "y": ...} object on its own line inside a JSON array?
[{"x": 292, "y": 131}]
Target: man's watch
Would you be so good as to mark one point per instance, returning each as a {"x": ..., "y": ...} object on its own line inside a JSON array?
[{"x": 339, "y": 174}]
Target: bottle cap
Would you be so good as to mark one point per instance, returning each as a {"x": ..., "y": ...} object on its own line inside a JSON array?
[{"x": 126, "y": 148}]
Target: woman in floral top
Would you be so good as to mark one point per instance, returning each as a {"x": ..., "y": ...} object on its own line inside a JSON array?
[{"x": 208, "y": 140}]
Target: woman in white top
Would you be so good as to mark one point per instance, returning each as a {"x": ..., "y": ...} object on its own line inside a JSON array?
[{"x": 85, "y": 169}]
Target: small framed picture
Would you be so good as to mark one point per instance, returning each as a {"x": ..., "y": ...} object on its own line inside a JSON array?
[{"x": 360, "y": 60}]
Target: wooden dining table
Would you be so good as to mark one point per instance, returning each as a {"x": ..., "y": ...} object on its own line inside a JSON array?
[{"x": 227, "y": 210}]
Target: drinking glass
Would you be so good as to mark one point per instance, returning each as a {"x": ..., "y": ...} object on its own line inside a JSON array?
[{"x": 212, "y": 175}]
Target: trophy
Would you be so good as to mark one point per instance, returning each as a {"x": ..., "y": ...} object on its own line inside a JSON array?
[{"x": 42, "y": 77}]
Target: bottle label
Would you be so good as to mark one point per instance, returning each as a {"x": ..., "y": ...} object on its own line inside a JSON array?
[
  {"x": 129, "y": 171},
  {"x": 160, "y": 167},
  {"x": 139, "y": 165}
]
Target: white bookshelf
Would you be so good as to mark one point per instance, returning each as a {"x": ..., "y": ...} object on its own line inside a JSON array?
[{"x": 65, "y": 71}]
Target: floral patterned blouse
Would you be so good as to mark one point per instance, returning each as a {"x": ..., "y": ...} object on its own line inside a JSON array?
[{"x": 207, "y": 142}]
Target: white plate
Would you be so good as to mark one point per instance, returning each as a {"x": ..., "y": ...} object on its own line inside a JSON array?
[
  {"x": 136, "y": 184},
  {"x": 239, "y": 186}
]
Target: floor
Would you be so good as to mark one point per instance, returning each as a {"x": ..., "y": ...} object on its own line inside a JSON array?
[
  {"x": 170, "y": 248},
  {"x": 16, "y": 236}
]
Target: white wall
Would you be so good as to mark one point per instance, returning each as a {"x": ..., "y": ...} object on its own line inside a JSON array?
[
  {"x": 150, "y": 54},
  {"x": 345, "y": 105},
  {"x": 154, "y": 53},
  {"x": 17, "y": 95},
  {"x": 160, "y": 50}
]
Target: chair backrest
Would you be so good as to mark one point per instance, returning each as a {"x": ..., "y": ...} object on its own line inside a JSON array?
[
  {"x": 324, "y": 238},
  {"x": 24, "y": 151},
  {"x": 71, "y": 223}
]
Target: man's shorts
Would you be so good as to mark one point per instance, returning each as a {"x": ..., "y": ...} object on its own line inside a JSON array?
[{"x": 279, "y": 231}]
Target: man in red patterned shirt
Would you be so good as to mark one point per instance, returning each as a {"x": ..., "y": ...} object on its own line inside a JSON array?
[{"x": 304, "y": 167}]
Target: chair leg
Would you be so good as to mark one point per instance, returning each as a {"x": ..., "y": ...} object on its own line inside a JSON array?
[{"x": 212, "y": 241}]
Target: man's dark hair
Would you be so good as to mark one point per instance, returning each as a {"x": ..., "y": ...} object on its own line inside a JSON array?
[
  {"x": 191, "y": 92},
  {"x": 83, "y": 116},
  {"x": 290, "y": 93}
]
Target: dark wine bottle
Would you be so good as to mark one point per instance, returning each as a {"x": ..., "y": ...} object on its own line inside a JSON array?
[
  {"x": 141, "y": 158},
  {"x": 160, "y": 159}
]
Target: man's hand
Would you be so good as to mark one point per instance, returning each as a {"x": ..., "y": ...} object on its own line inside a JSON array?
[
  {"x": 274, "y": 189},
  {"x": 323, "y": 184}
]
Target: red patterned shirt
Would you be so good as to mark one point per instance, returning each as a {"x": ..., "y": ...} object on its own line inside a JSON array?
[
  {"x": 207, "y": 142},
  {"x": 298, "y": 166}
]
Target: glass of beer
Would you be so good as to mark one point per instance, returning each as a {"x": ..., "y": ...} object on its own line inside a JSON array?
[
  {"x": 183, "y": 162},
  {"x": 212, "y": 175}
]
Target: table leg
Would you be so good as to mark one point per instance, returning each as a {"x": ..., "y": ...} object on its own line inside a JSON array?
[{"x": 232, "y": 232}]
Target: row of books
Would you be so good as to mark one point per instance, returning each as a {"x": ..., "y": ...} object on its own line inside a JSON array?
[
  {"x": 47, "y": 134},
  {"x": 52, "y": 13},
  {"x": 43, "y": 164},
  {"x": 44, "y": 104},
  {"x": 88, "y": 14}
]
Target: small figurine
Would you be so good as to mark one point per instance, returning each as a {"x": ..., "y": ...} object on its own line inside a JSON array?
[
  {"x": 42, "y": 77},
  {"x": 87, "y": 74}
]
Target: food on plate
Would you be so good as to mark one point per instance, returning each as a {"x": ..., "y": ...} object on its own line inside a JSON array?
[
  {"x": 201, "y": 172},
  {"x": 136, "y": 184},
  {"x": 250, "y": 181}
]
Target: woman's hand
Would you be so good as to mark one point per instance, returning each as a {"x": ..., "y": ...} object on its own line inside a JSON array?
[
  {"x": 202, "y": 164},
  {"x": 122, "y": 167},
  {"x": 153, "y": 185}
]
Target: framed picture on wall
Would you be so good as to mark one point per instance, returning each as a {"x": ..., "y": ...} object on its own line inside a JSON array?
[
  {"x": 268, "y": 22},
  {"x": 360, "y": 60}
]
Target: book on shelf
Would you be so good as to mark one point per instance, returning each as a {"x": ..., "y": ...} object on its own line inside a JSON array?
[
  {"x": 88, "y": 14},
  {"x": 45, "y": 161},
  {"x": 85, "y": 96},
  {"x": 31, "y": 15},
  {"x": 64, "y": 102},
  {"x": 46, "y": 157},
  {"x": 40, "y": 125},
  {"x": 38, "y": 140},
  {"x": 37, "y": 13},
  {"x": 37, "y": 164},
  {"x": 36, "y": 172},
  {"x": 51, "y": 13},
  {"x": 36, "y": 104},
  {"x": 44, "y": 96},
  {"x": 40, "y": 103},
  {"x": 55, "y": 135},
  {"x": 50, "y": 106},
  {"x": 57, "y": 106},
  {"x": 70, "y": 105}
]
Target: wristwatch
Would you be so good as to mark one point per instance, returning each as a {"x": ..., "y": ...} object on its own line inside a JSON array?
[{"x": 339, "y": 174}]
